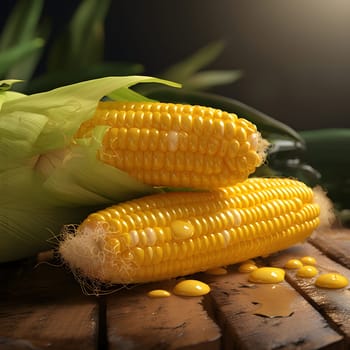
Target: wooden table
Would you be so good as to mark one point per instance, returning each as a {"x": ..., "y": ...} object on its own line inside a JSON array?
[{"x": 43, "y": 307}]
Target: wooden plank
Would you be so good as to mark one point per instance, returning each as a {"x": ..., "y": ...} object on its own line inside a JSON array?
[
  {"x": 335, "y": 243},
  {"x": 333, "y": 304},
  {"x": 136, "y": 321},
  {"x": 237, "y": 303},
  {"x": 43, "y": 307}
]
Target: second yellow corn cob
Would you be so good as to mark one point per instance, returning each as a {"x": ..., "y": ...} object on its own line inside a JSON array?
[
  {"x": 177, "y": 145},
  {"x": 175, "y": 234}
]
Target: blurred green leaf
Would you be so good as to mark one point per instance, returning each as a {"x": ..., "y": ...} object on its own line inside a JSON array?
[
  {"x": 326, "y": 150},
  {"x": 210, "y": 78},
  {"x": 13, "y": 55},
  {"x": 21, "y": 41},
  {"x": 82, "y": 44},
  {"x": 21, "y": 25},
  {"x": 25, "y": 68},
  {"x": 183, "y": 70}
]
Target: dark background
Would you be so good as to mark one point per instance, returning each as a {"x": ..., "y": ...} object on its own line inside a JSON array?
[{"x": 295, "y": 54}]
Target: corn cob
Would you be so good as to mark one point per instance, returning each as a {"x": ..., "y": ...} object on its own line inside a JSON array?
[
  {"x": 179, "y": 233},
  {"x": 176, "y": 145}
]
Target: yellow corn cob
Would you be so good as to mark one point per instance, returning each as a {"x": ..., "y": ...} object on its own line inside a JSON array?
[
  {"x": 177, "y": 145},
  {"x": 174, "y": 234}
]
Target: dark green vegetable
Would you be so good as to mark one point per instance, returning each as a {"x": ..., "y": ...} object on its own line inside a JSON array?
[{"x": 328, "y": 151}]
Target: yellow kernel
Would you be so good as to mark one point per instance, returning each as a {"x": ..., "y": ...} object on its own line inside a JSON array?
[
  {"x": 308, "y": 260},
  {"x": 198, "y": 125},
  {"x": 203, "y": 145},
  {"x": 218, "y": 128},
  {"x": 119, "y": 138},
  {"x": 229, "y": 130},
  {"x": 307, "y": 271},
  {"x": 157, "y": 255},
  {"x": 191, "y": 288},
  {"x": 207, "y": 126},
  {"x": 223, "y": 148},
  {"x": 331, "y": 280},
  {"x": 213, "y": 146},
  {"x": 233, "y": 148},
  {"x": 241, "y": 134},
  {"x": 158, "y": 293},
  {"x": 267, "y": 275},
  {"x": 153, "y": 140},
  {"x": 148, "y": 255},
  {"x": 253, "y": 159},
  {"x": 133, "y": 139},
  {"x": 247, "y": 267},
  {"x": 181, "y": 229},
  {"x": 139, "y": 256},
  {"x": 293, "y": 264},
  {"x": 165, "y": 121},
  {"x": 193, "y": 143},
  {"x": 186, "y": 122},
  {"x": 158, "y": 160}
]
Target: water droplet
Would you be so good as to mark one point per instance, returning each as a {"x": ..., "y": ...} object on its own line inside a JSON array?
[
  {"x": 307, "y": 271},
  {"x": 308, "y": 260},
  {"x": 191, "y": 288},
  {"x": 267, "y": 275},
  {"x": 331, "y": 280},
  {"x": 247, "y": 267},
  {"x": 274, "y": 300},
  {"x": 293, "y": 264},
  {"x": 181, "y": 229}
]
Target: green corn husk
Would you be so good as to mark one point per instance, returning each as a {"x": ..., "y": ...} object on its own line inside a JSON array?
[{"x": 45, "y": 180}]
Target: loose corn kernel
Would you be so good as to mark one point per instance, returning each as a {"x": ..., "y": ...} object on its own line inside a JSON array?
[
  {"x": 178, "y": 233},
  {"x": 176, "y": 145}
]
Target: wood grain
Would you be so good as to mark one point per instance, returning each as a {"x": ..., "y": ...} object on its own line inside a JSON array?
[
  {"x": 335, "y": 243},
  {"x": 44, "y": 307},
  {"x": 334, "y": 305},
  {"x": 237, "y": 303},
  {"x": 136, "y": 321}
]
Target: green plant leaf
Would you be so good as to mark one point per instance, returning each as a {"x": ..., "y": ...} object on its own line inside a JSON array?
[
  {"x": 46, "y": 180},
  {"x": 209, "y": 78},
  {"x": 22, "y": 41},
  {"x": 17, "y": 53},
  {"x": 22, "y": 24},
  {"x": 68, "y": 106},
  {"x": 82, "y": 42},
  {"x": 86, "y": 30},
  {"x": 183, "y": 70},
  {"x": 26, "y": 67},
  {"x": 6, "y": 94}
]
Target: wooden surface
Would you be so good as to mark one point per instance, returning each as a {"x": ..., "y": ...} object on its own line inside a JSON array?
[{"x": 43, "y": 307}]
